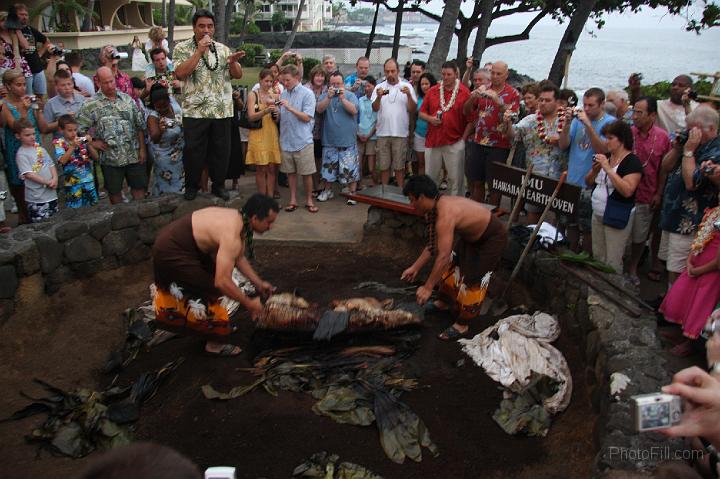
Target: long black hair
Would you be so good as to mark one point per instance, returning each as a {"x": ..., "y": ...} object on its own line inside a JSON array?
[{"x": 431, "y": 79}]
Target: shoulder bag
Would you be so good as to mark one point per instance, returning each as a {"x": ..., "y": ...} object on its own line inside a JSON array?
[
  {"x": 244, "y": 120},
  {"x": 617, "y": 213}
]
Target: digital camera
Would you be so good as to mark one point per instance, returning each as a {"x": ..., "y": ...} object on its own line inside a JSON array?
[
  {"x": 57, "y": 51},
  {"x": 654, "y": 411},
  {"x": 169, "y": 122},
  {"x": 83, "y": 140},
  {"x": 514, "y": 117},
  {"x": 278, "y": 102},
  {"x": 682, "y": 136},
  {"x": 439, "y": 115}
]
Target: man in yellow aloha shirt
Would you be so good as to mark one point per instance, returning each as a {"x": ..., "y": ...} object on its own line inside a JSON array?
[{"x": 206, "y": 68}]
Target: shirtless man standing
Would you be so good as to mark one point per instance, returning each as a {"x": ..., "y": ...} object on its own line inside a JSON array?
[
  {"x": 193, "y": 259},
  {"x": 463, "y": 281}
]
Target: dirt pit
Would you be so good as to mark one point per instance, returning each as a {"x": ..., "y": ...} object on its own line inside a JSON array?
[{"x": 66, "y": 339}]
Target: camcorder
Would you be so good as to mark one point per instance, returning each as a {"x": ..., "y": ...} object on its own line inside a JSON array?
[
  {"x": 693, "y": 95},
  {"x": 654, "y": 411},
  {"x": 57, "y": 51}
]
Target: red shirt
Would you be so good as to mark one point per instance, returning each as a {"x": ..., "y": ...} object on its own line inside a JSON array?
[
  {"x": 453, "y": 121},
  {"x": 650, "y": 150},
  {"x": 490, "y": 116}
]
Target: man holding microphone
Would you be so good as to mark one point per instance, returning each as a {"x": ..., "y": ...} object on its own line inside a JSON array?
[{"x": 206, "y": 68}]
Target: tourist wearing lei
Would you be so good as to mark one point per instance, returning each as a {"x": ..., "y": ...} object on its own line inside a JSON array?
[
  {"x": 442, "y": 108},
  {"x": 696, "y": 292}
]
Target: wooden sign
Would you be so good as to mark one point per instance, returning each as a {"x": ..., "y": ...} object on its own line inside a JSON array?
[{"x": 507, "y": 180}]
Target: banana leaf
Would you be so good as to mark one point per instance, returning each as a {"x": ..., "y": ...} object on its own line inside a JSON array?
[
  {"x": 322, "y": 465},
  {"x": 584, "y": 258}
]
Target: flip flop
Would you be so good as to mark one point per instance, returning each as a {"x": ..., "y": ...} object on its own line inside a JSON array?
[
  {"x": 452, "y": 334},
  {"x": 312, "y": 208},
  {"x": 290, "y": 208},
  {"x": 227, "y": 351},
  {"x": 654, "y": 275}
]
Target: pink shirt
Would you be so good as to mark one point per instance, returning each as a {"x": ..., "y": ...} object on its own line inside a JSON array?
[
  {"x": 123, "y": 83},
  {"x": 650, "y": 150}
]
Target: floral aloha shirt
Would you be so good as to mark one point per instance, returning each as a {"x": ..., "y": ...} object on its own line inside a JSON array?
[
  {"x": 683, "y": 210},
  {"x": 117, "y": 123},
  {"x": 206, "y": 93},
  {"x": 547, "y": 160}
]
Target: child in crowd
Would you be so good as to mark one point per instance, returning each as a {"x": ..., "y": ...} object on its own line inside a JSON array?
[
  {"x": 37, "y": 170},
  {"x": 366, "y": 139},
  {"x": 76, "y": 155}
]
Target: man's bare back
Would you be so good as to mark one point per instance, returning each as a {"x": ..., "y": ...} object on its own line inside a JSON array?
[
  {"x": 468, "y": 218},
  {"x": 213, "y": 226}
]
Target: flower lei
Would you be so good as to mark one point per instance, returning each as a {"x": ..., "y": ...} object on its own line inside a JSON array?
[
  {"x": 39, "y": 153},
  {"x": 443, "y": 106},
  {"x": 205, "y": 62},
  {"x": 541, "y": 130},
  {"x": 706, "y": 231}
]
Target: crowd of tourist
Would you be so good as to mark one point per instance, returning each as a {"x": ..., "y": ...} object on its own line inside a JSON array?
[{"x": 648, "y": 169}]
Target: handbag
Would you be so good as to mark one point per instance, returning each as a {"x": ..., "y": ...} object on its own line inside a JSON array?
[
  {"x": 617, "y": 213},
  {"x": 245, "y": 122}
]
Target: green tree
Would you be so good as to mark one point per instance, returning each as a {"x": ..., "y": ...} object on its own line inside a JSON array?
[{"x": 277, "y": 21}]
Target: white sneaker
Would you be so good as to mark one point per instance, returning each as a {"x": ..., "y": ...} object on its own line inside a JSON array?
[
  {"x": 351, "y": 202},
  {"x": 326, "y": 195}
]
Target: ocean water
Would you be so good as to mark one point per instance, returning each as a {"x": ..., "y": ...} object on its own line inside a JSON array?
[{"x": 605, "y": 58}]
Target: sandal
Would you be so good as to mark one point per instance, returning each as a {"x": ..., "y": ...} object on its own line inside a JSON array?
[
  {"x": 226, "y": 351},
  {"x": 654, "y": 275},
  {"x": 452, "y": 334},
  {"x": 312, "y": 208},
  {"x": 291, "y": 207}
]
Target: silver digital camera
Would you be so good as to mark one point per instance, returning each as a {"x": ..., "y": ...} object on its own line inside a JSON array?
[
  {"x": 654, "y": 411},
  {"x": 169, "y": 122}
]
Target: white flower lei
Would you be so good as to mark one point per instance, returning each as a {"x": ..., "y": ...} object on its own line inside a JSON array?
[{"x": 444, "y": 107}]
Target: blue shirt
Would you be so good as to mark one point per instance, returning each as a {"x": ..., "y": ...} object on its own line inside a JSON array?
[
  {"x": 581, "y": 150},
  {"x": 420, "y": 124},
  {"x": 339, "y": 126},
  {"x": 366, "y": 117},
  {"x": 350, "y": 82},
  {"x": 296, "y": 134}
]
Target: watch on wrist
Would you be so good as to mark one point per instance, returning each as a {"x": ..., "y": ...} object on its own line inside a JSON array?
[{"x": 688, "y": 154}]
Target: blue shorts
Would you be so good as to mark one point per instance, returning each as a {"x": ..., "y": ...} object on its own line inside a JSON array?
[{"x": 340, "y": 164}]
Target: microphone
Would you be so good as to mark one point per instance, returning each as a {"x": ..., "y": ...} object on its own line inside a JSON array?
[{"x": 212, "y": 44}]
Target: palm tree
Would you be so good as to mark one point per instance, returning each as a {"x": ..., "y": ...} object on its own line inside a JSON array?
[{"x": 296, "y": 23}]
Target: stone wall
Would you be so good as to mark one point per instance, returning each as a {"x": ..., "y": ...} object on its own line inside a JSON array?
[
  {"x": 616, "y": 346},
  {"x": 77, "y": 243}
]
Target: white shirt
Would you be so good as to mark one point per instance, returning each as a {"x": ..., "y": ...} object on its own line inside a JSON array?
[
  {"x": 84, "y": 82},
  {"x": 393, "y": 118},
  {"x": 671, "y": 117}
]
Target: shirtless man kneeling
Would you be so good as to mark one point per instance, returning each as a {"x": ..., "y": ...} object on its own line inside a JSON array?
[
  {"x": 463, "y": 281},
  {"x": 193, "y": 259}
]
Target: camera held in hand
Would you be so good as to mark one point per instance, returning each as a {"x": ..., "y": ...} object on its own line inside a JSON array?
[
  {"x": 693, "y": 95},
  {"x": 514, "y": 116},
  {"x": 682, "y": 136},
  {"x": 83, "y": 140},
  {"x": 58, "y": 52},
  {"x": 654, "y": 411},
  {"x": 169, "y": 122},
  {"x": 116, "y": 55}
]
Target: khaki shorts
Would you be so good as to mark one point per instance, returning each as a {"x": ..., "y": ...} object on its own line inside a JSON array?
[
  {"x": 369, "y": 148},
  {"x": 301, "y": 162},
  {"x": 678, "y": 251},
  {"x": 641, "y": 223},
  {"x": 391, "y": 151}
]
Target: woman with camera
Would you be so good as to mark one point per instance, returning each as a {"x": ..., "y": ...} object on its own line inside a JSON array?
[
  {"x": 164, "y": 123},
  {"x": 615, "y": 179},
  {"x": 264, "y": 142}
]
